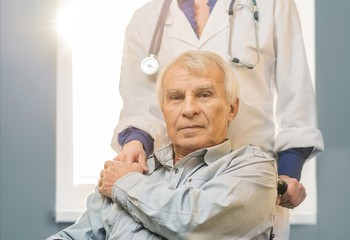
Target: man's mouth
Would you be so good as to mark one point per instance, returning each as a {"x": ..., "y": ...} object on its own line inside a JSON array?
[{"x": 190, "y": 128}]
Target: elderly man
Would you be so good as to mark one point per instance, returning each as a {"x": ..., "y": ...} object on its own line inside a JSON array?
[{"x": 197, "y": 187}]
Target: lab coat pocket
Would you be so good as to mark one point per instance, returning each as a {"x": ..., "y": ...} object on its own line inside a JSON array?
[{"x": 257, "y": 84}]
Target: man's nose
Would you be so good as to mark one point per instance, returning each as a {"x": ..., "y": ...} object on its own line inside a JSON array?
[{"x": 190, "y": 107}]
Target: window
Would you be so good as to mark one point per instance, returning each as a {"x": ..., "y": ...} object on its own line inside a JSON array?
[
  {"x": 88, "y": 63},
  {"x": 306, "y": 213}
]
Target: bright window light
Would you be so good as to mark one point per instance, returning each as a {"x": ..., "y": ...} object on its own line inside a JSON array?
[{"x": 95, "y": 32}]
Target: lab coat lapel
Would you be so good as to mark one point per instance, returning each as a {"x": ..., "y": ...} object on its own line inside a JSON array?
[
  {"x": 217, "y": 22},
  {"x": 181, "y": 28}
]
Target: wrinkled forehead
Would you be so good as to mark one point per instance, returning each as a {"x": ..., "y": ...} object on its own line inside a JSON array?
[{"x": 180, "y": 71}]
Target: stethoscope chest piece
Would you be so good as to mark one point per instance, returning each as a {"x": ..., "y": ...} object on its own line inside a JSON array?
[{"x": 149, "y": 65}]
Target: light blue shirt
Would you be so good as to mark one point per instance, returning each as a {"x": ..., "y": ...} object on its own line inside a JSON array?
[{"x": 211, "y": 193}]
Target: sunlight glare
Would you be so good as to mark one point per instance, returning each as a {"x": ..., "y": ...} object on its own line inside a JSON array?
[
  {"x": 65, "y": 22},
  {"x": 95, "y": 32}
]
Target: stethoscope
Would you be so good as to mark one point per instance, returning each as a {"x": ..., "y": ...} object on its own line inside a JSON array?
[
  {"x": 255, "y": 15},
  {"x": 150, "y": 65}
]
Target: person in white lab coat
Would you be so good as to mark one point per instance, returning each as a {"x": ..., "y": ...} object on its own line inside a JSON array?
[{"x": 277, "y": 107}]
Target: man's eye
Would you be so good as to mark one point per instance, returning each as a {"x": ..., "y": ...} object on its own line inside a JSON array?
[
  {"x": 174, "y": 98},
  {"x": 204, "y": 95}
]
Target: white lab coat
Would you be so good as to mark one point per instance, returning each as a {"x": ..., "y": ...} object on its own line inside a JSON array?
[{"x": 277, "y": 102}]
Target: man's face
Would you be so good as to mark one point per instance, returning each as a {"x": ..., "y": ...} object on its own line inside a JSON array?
[{"x": 195, "y": 110}]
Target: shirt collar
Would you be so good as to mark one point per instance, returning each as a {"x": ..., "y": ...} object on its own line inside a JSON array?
[
  {"x": 165, "y": 156},
  {"x": 218, "y": 151}
]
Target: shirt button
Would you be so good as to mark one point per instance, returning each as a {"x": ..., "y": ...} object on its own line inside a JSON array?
[{"x": 176, "y": 170}]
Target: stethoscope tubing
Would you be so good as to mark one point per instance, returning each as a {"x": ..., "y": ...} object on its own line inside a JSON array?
[
  {"x": 158, "y": 31},
  {"x": 151, "y": 64}
]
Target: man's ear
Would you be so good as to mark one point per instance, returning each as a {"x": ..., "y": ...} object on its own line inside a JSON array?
[{"x": 233, "y": 110}]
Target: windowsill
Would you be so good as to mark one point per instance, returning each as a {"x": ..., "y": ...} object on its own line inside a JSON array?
[{"x": 304, "y": 218}]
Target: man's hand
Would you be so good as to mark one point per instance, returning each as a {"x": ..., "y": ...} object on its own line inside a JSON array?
[
  {"x": 294, "y": 195},
  {"x": 133, "y": 152},
  {"x": 112, "y": 172}
]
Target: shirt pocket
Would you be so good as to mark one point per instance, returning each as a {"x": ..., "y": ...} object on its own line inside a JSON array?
[{"x": 196, "y": 182}]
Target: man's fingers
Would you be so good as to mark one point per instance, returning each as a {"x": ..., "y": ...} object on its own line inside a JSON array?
[
  {"x": 143, "y": 163},
  {"x": 107, "y": 164},
  {"x": 293, "y": 201},
  {"x": 125, "y": 158}
]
